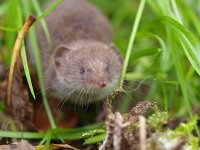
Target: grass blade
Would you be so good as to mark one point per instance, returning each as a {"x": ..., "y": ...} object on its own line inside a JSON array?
[
  {"x": 37, "y": 58},
  {"x": 144, "y": 53},
  {"x": 67, "y": 134},
  {"x": 131, "y": 40},
  {"x": 95, "y": 139},
  {"x": 23, "y": 53},
  {"x": 15, "y": 55},
  {"x": 10, "y": 36},
  {"x": 48, "y": 10},
  {"x": 189, "y": 40},
  {"x": 26, "y": 70},
  {"x": 43, "y": 23},
  {"x": 36, "y": 55},
  {"x": 8, "y": 29}
]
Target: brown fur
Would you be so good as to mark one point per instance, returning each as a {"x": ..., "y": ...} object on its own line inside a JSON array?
[{"x": 81, "y": 42}]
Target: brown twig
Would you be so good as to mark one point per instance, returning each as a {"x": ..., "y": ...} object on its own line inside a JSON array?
[{"x": 15, "y": 55}]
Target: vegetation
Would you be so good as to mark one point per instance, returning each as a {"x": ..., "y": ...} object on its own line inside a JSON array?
[{"x": 162, "y": 57}]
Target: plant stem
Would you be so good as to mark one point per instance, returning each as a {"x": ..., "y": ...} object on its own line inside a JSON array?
[
  {"x": 131, "y": 41},
  {"x": 38, "y": 63},
  {"x": 40, "y": 74}
]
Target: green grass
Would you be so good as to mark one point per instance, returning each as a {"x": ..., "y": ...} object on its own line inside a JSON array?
[
  {"x": 67, "y": 134},
  {"x": 130, "y": 45},
  {"x": 36, "y": 52},
  {"x": 12, "y": 35},
  {"x": 163, "y": 48}
]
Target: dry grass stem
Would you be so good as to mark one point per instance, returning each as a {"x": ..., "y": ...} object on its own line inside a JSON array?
[
  {"x": 15, "y": 55},
  {"x": 143, "y": 132}
]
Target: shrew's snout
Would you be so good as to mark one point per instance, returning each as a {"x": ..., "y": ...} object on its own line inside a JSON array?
[
  {"x": 99, "y": 82},
  {"x": 102, "y": 84}
]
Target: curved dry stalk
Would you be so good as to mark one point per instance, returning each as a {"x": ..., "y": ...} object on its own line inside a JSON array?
[{"x": 15, "y": 55}]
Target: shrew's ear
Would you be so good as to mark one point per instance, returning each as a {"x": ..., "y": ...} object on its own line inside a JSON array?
[
  {"x": 59, "y": 55},
  {"x": 112, "y": 47}
]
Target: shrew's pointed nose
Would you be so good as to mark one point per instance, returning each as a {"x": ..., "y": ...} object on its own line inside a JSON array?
[{"x": 103, "y": 84}]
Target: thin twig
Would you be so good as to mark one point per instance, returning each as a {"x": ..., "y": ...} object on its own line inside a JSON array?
[{"x": 131, "y": 41}]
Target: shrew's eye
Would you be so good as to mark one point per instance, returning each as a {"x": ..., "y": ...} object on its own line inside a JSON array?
[
  {"x": 107, "y": 69},
  {"x": 82, "y": 70}
]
